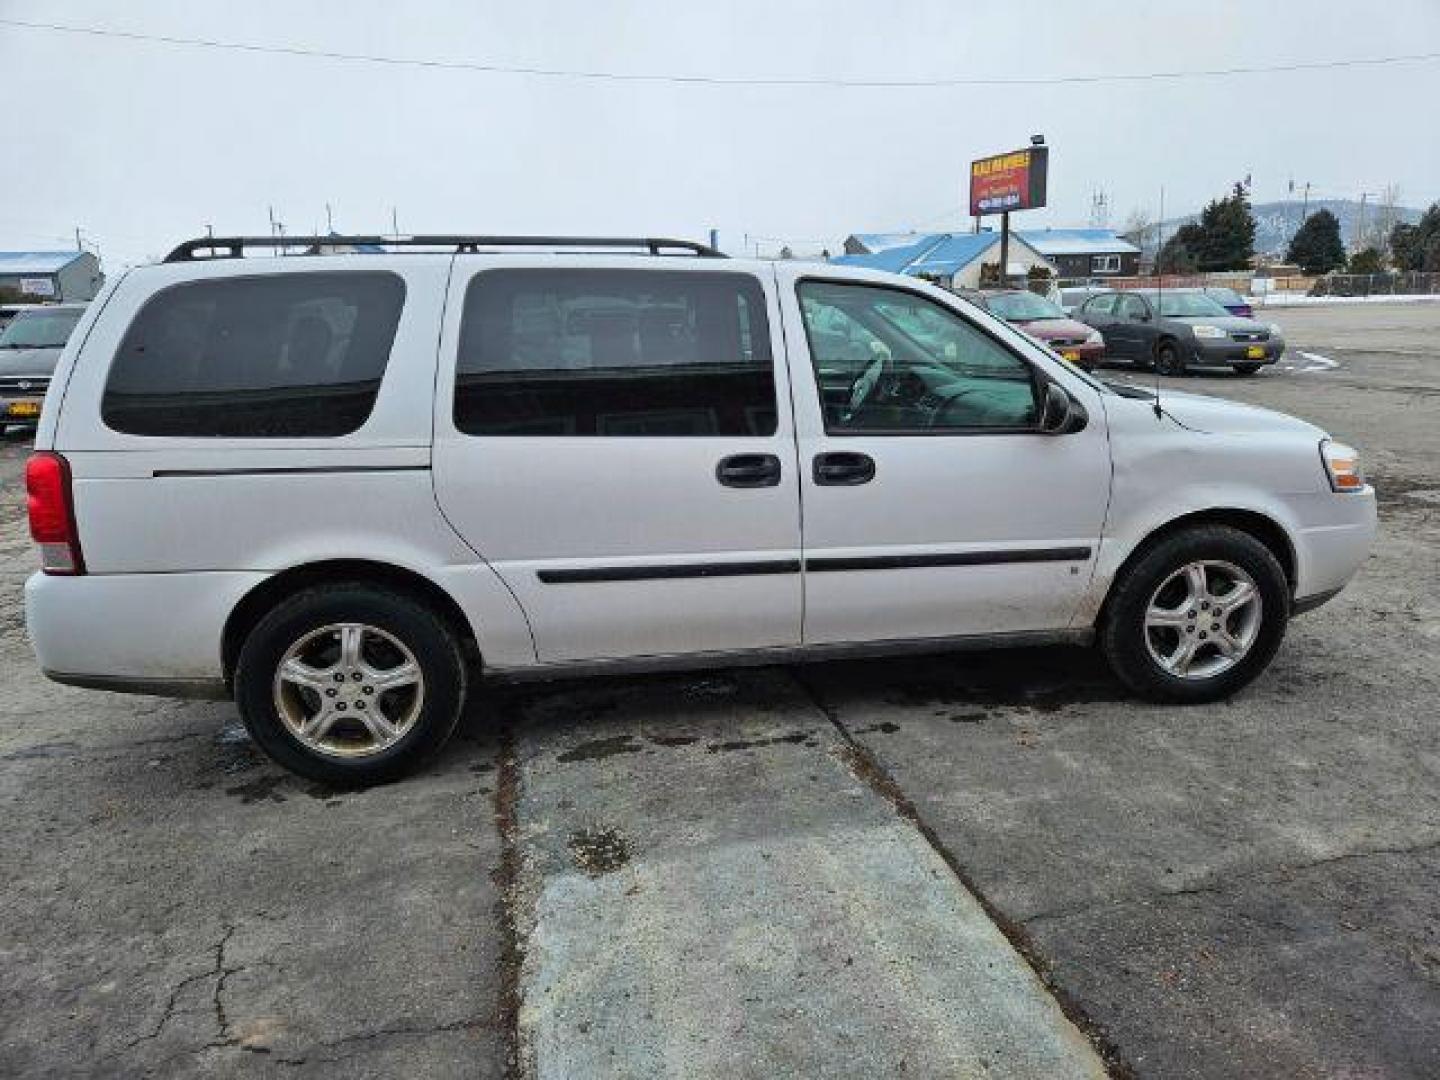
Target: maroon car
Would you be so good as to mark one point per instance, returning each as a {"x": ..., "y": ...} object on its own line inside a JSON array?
[{"x": 1044, "y": 321}]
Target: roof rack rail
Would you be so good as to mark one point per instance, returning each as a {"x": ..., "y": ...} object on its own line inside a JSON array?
[{"x": 234, "y": 247}]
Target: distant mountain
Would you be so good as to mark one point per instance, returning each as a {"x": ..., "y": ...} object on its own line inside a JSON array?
[{"x": 1276, "y": 222}]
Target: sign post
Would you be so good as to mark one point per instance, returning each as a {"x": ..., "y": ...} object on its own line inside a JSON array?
[{"x": 1005, "y": 182}]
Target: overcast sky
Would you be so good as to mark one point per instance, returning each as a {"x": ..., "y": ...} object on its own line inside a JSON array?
[{"x": 142, "y": 144}]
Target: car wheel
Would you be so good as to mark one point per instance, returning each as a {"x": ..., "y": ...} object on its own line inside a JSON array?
[
  {"x": 349, "y": 684},
  {"x": 1168, "y": 360},
  {"x": 1246, "y": 369},
  {"x": 1197, "y": 616}
]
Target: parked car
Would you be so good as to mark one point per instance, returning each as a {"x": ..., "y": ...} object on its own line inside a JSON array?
[
  {"x": 1230, "y": 300},
  {"x": 9, "y": 311},
  {"x": 343, "y": 488},
  {"x": 1072, "y": 297},
  {"x": 1043, "y": 320},
  {"x": 30, "y": 345},
  {"x": 1173, "y": 330}
]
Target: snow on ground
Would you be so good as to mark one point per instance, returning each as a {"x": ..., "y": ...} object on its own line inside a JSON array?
[
  {"x": 1269, "y": 300},
  {"x": 1316, "y": 362}
]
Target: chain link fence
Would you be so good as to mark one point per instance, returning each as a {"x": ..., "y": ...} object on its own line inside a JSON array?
[{"x": 1406, "y": 283}]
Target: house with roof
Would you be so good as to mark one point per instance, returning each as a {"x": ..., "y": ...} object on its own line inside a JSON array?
[
  {"x": 50, "y": 275},
  {"x": 950, "y": 259},
  {"x": 1085, "y": 253}
]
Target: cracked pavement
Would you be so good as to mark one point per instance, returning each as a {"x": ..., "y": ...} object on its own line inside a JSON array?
[{"x": 778, "y": 871}]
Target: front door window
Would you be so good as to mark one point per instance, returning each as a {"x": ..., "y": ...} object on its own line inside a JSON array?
[{"x": 892, "y": 361}]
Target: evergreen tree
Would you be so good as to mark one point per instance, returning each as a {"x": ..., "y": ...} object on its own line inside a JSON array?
[
  {"x": 1316, "y": 246},
  {"x": 1417, "y": 247},
  {"x": 1181, "y": 251},
  {"x": 1228, "y": 230},
  {"x": 1366, "y": 262}
]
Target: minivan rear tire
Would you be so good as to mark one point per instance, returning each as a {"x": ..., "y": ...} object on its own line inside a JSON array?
[
  {"x": 408, "y": 634},
  {"x": 1134, "y": 646}
]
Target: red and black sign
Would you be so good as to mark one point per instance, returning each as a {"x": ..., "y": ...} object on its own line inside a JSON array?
[{"x": 1013, "y": 181}]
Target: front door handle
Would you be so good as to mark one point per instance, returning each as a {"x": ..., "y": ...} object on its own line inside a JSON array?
[
  {"x": 748, "y": 470},
  {"x": 843, "y": 469}
]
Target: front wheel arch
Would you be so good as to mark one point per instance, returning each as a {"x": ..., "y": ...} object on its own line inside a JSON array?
[
  {"x": 255, "y": 604},
  {"x": 1265, "y": 529}
]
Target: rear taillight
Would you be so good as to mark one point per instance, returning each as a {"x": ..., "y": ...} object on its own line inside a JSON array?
[{"x": 52, "y": 514}]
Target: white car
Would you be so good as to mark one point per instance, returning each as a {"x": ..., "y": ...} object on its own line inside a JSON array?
[{"x": 342, "y": 487}]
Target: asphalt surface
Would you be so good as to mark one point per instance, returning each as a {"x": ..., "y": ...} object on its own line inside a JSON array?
[{"x": 976, "y": 865}]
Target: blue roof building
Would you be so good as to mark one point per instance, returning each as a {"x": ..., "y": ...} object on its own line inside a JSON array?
[
  {"x": 953, "y": 259},
  {"x": 1085, "y": 253}
]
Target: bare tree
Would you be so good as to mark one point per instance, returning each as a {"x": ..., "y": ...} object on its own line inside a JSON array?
[
  {"x": 1387, "y": 216},
  {"x": 1141, "y": 229}
]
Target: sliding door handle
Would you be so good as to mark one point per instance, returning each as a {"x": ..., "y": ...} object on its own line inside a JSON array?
[{"x": 748, "y": 470}]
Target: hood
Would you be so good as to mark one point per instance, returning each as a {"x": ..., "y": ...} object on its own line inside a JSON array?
[
  {"x": 1045, "y": 329},
  {"x": 1217, "y": 416},
  {"x": 29, "y": 361},
  {"x": 1225, "y": 322}
]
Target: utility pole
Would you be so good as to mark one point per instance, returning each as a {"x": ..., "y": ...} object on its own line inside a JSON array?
[
  {"x": 1305, "y": 211},
  {"x": 270, "y": 210},
  {"x": 329, "y": 221},
  {"x": 1005, "y": 249},
  {"x": 1360, "y": 228},
  {"x": 78, "y": 246},
  {"x": 394, "y": 222},
  {"x": 210, "y": 231}
]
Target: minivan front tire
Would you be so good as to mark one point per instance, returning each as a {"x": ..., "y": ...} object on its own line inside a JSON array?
[
  {"x": 1197, "y": 616},
  {"x": 349, "y": 684}
]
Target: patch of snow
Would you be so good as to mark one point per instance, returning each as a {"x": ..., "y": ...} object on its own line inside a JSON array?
[
  {"x": 1278, "y": 299},
  {"x": 1316, "y": 362}
]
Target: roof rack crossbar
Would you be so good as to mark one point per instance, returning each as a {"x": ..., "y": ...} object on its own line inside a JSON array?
[{"x": 234, "y": 247}]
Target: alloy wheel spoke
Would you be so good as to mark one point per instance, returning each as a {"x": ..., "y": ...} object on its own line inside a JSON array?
[
  {"x": 1196, "y": 583},
  {"x": 1229, "y": 645},
  {"x": 319, "y": 725},
  {"x": 1158, "y": 616},
  {"x": 352, "y": 638},
  {"x": 300, "y": 673},
  {"x": 378, "y": 724},
  {"x": 1238, "y": 597},
  {"x": 1184, "y": 655},
  {"x": 407, "y": 674}
]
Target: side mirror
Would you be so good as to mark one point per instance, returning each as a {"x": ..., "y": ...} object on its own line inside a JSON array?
[{"x": 1061, "y": 414}]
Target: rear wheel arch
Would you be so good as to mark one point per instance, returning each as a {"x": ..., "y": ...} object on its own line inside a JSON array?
[
  {"x": 1264, "y": 528},
  {"x": 275, "y": 590}
]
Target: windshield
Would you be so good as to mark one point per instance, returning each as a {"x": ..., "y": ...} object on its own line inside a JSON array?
[
  {"x": 1022, "y": 307},
  {"x": 39, "y": 330},
  {"x": 1188, "y": 305}
]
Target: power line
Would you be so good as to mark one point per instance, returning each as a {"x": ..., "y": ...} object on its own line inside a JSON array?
[{"x": 708, "y": 80}]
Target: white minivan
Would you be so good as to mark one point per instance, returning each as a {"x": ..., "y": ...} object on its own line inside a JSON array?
[{"x": 342, "y": 486}]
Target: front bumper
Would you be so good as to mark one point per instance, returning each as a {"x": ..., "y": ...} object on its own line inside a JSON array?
[
  {"x": 1087, "y": 355},
  {"x": 1228, "y": 352},
  {"x": 1332, "y": 543}
]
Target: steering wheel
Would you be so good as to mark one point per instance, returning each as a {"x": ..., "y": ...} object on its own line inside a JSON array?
[
  {"x": 879, "y": 372},
  {"x": 945, "y": 400}
]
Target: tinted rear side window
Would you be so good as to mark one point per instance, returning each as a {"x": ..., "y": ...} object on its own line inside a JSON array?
[
  {"x": 280, "y": 355},
  {"x": 614, "y": 352}
]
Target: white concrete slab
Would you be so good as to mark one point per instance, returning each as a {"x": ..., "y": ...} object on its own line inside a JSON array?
[{"x": 740, "y": 905}]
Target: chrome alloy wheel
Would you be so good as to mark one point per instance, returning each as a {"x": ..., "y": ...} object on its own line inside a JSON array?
[
  {"x": 348, "y": 690},
  {"x": 1203, "y": 619}
]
